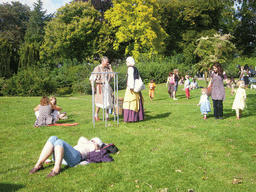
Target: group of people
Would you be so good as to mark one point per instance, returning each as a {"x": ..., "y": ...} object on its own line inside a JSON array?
[
  {"x": 48, "y": 112},
  {"x": 133, "y": 101},
  {"x": 215, "y": 89}
]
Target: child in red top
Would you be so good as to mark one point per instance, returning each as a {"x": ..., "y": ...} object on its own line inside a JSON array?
[{"x": 151, "y": 86}]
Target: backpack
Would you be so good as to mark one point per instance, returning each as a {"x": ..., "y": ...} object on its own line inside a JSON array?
[{"x": 110, "y": 148}]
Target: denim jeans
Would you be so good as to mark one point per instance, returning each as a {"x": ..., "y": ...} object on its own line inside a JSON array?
[{"x": 71, "y": 155}]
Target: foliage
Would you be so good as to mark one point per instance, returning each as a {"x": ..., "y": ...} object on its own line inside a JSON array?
[
  {"x": 173, "y": 149},
  {"x": 13, "y": 24},
  {"x": 8, "y": 58},
  {"x": 72, "y": 33},
  {"x": 218, "y": 48},
  {"x": 246, "y": 28},
  {"x": 29, "y": 82},
  {"x": 29, "y": 51},
  {"x": 138, "y": 25}
]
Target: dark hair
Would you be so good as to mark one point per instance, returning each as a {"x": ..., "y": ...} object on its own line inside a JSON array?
[
  {"x": 171, "y": 73},
  {"x": 219, "y": 67}
]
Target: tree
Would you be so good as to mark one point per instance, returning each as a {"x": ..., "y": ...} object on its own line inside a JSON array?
[
  {"x": 72, "y": 33},
  {"x": 13, "y": 24},
  {"x": 210, "y": 50},
  {"x": 29, "y": 52},
  {"x": 138, "y": 26},
  {"x": 245, "y": 38}
]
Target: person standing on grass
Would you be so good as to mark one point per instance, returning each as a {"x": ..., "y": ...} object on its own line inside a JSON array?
[
  {"x": 239, "y": 102},
  {"x": 133, "y": 101},
  {"x": 187, "y": 86},
  {"x": 218, "y": 90},
  {"x": 151, "y": 86},
  {"x": 204, "y": 103},
  {"x": 102, "y": 83},
  {"x": 175, "y": 86},
  {"x": 170, "y": 84}
]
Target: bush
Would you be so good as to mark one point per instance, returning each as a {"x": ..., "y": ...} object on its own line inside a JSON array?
[{"x": 29, "y": 82}]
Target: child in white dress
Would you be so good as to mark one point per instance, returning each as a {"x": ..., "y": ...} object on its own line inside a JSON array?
[
  {"x": 239, "y": 102},
  {"x": 204, "y": 103}
]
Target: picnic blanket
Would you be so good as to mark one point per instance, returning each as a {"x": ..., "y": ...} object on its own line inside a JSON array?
[{"x": 63, "y": 124}]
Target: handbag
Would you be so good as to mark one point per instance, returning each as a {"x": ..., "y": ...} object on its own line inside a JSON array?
[
  {"x": 139, "y": 86},
  {"x": 209, "y": 90}
]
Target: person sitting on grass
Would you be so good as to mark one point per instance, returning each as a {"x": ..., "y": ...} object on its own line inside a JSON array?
[
  {"x": 193, "y": 84},
  {"x": 62, "y": 150},
  {"x": 56, "y": 111},
  {"x": 44, "y": 113}
]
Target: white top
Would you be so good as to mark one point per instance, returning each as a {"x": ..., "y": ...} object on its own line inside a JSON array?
[
  {"x": 130, "y": 80},
  {"x": 84, "y": 146},
  {"x": 203, "y": 98},
  {"x": 186, "y": 84}
]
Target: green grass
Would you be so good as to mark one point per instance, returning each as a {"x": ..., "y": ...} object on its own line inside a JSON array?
[{"x": 174, "y": 149}]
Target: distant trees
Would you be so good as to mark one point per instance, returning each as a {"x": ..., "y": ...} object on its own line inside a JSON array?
[
  {"x": 29, "y": 52},
  {"x": 13, "y": 24},
  {"x": 72, "y": 33},
  {"x": 245, "y": 30},
  {"x": 210, "y": 50},
  {"x": 138, "y": 26}
]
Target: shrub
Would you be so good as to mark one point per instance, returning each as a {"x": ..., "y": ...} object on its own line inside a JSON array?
[{"x": 29, "y": 82}]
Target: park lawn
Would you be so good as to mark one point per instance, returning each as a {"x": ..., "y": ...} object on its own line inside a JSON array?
[{"x": 174, "y": 149}]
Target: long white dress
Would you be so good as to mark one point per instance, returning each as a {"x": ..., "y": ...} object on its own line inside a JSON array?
[{"x": 239, "y": 102}]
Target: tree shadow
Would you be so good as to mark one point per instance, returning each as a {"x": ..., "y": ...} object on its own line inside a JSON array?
[
  {"x": 250, "y": 109},
  {"x": 158, "y": 116},
  {"x": 10, "y": 187},
  {"x": 229, "y": 113}
]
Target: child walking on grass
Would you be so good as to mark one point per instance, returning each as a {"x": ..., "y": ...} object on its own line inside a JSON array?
[
  {"x": 204, "y": 103},
  {"x": 151, "y": 86},
  {"x": 187, "y": 86},
  {"x": 239, "y": 102}
]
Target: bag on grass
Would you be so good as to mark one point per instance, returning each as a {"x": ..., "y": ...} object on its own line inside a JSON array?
[{"x": 110, "y": 148}]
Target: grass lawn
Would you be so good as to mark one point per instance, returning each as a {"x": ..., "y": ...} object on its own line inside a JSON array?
[{"x": 174, "y": 149}]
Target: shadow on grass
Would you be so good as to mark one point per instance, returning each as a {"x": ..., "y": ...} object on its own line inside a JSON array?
[
  {"x": 250, "y": 109},
  {"x": 10, "y": 187},
  {"x": 158, "y": 116}
]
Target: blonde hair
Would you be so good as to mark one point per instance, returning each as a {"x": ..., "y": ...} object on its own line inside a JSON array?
[
  {"x": 239, "y": 83},
  {"x": 186, "y": 76},
  {"x": 53, "y": 98},
  {"x": 44, "y": 101},
  {"x": 203, "y": 90},
  {"x": 175, "y": 70}
]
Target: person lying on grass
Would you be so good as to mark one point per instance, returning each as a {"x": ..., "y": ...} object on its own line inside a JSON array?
[{"x": 62, "y": 150}]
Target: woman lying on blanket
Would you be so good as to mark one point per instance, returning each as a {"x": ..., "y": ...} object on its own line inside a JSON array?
[{"x": 62, "y": 150}]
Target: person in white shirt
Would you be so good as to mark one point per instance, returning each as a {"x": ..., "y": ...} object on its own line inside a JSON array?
[{"x": 62, "y": 150}]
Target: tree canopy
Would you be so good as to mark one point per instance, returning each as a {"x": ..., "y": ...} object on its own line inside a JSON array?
[
  {"x": 72, "y": 33},
  {"x": 138, "y": 25}
]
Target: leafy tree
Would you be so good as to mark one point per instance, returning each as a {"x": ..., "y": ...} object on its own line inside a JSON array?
[
  {"x": 245, "y": 31},
  {"x": 72, "y": 33},
  {"x": 13, "y": 24},
  {"x": 29, "y": 52},
  {"x": 218, "y": 48},
  {"x": 138, "y": 26}
]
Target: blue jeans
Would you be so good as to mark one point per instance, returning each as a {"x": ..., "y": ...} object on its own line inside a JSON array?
[{"x": 71, "y": 155}]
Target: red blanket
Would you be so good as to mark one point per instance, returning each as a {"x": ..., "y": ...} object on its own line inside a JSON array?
[{"x": 63, "y": 124}]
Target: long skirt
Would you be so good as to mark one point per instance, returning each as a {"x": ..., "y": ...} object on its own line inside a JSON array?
[{"x": 130, "y": 113}]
